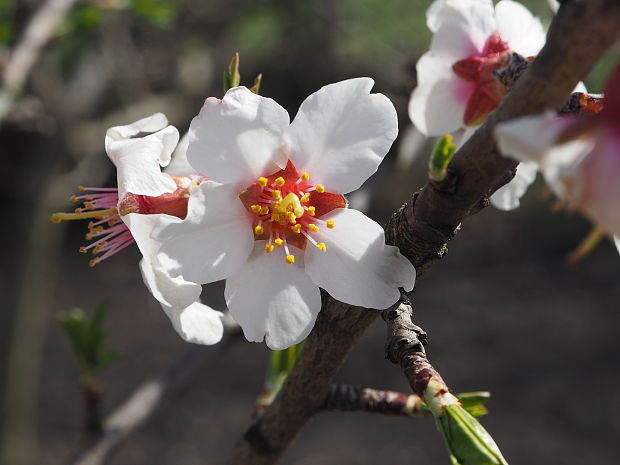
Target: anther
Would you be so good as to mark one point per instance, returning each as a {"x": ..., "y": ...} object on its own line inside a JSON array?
[
  {"x": 311, "y": 211},
  {"x": 297, "y": 228},
  {"x": 83, "y": 249},
  {"x": 313, "y": 227},
  {"x": 258, "y": 230},
  {"x": 262, "y": 181},
  {"x": 94, "y": 261},
  {"x": 305, "y": 198},
  {"x": 278, "y": 242},
  {"x": 264, "y": 210},
  {"x": 320, "y": 188},
  {"x": 305, "y": 176},
  {"x": 290, "y": 259},
  {"x": 255, "y": 208},
  {"x": 331, "y": 224},
  {"x": 73, "y": 199},
  {"x": 276, "y": 195},
  {"x": 321, "y": 246},
  {"x": 269, "y": 248},
  {"x": 279, "y": 181}
]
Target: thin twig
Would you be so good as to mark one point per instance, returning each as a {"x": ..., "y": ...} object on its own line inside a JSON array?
[
  {"x": 582, "y": 31},
  {"x": 347, "y": 398},
  {"x": 26, "y": 53}
]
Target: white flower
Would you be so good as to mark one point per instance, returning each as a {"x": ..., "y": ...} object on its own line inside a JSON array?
[
  {"x": 578, "y": 156},
  {"x": 127, "y": 214},
  {"x": 508, "y": 197},
  {"x": 471, "y": 39},
  {"x": 273, "y": 221}
]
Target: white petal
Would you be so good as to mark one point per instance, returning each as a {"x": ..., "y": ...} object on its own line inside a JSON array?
[
  {"x": 462, "y": 28},
  {"x": 213, "y": 241},
  {"x": 437, "y": 104},
  {"x": 141, "y": 227},
  {"x": 580, "y": 87},
  {"x": 138, "y": 159},
  {"x": 358, "y": 268},
  {"x": 179, "y": 166},
  {"x": 237, "y": 139},
  {"x": 196, "y": 323},
  {"x": 617, "y": 242},
  {"x": 341, "y": 134},
  {"x": 508, "y": 197},
  {"x": 272, "y": 299},
  {"x": 523, "y": 32},
  {"x": 169, "y": 291}
]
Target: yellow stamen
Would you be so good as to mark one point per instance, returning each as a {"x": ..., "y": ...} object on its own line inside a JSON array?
[
  {"x": 278, "y": 242},
  {"x": 81, "y": 188},
  {"x": 276, "y": 195},
  {"x": 73, "y": 199},
  {"x": 80, "y": 215},
  {"x": 331, "y": 224},
  {"x": 305, "y": 198},
  {"x": 290, "y": 259},
  {"x": 83, "y": 249},
  {"x": 311, "y": 211},
  {"x": 94, "y": 261},
  {"x": 321, "y": 246},
  {"x": 291, "y": 217},
  {"x": 313, "y": 227},
  {"x": 269, "y": 248},
  {"x": 258, "y": 230},
  {"x": 262, "y": 181},
  {"x": 279, "y": 181},
  {"x": 297, "y": 228},
  {"x": 320, "y": 188},
  {"x": 255, "y": 208},
  {"x": 264, "y": 210},
  {"x": 305, "y": 176}
]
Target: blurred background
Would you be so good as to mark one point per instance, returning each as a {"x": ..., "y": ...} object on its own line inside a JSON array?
[{"x": 503, "y": 311}]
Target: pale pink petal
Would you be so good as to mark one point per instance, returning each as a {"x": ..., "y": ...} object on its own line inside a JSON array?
[
  {"x": 237, "y": 139},
  {"x": 528, "y": 138},
  {"x": 462, "y": 28},
  {"x": 357, "y": 267},
  {"x": 214, "y": 240},
  {"x": 138, "y": 159},
  {"x": 341, "y": 134},
  {"x": 437, "y": 104},
  {"x": 523, "y": 32},
  {"x": 196, "y": 323},
  {"x": 533, "y": 138},
  {"x": 272, "y": 299},
  {"x": 600, "y": 181},
  {"x": 508, "y": 197}
]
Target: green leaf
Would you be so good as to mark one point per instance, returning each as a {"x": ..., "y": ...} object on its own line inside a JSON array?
[
  {"x": 232, "y": 78},
  {"x": 159, "y": 13},
  {"x": 87, "y": 339},
  {"x": 467, "y": 441}
]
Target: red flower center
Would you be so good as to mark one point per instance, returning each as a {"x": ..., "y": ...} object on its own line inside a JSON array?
[
  {"x": 478, "y": 70},
  {"x": 287, "y": 209}
]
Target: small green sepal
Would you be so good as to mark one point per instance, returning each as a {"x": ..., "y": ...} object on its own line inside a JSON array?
[
  {"x": 440, "y": 158},
  {"x": 232, "y": 77}
]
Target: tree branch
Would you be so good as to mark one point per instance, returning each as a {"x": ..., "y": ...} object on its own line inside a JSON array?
[
  {"x": 347, "y": 398},
  {"x": 581, "y": 32}
]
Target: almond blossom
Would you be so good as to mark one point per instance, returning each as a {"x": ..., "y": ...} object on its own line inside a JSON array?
[
  {"x": 578, "y": 156},
  {"x": 272, "y": 219},
  {"x": 126, "y": 215},
  {"x": 471, "y": 40}
]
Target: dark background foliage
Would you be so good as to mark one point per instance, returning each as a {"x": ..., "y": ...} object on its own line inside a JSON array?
[{"x": 502, "y": 310}]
